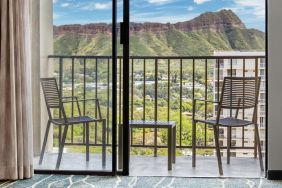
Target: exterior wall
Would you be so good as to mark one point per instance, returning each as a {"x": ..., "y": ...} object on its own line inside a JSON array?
[{"x": 238, "y": 71}]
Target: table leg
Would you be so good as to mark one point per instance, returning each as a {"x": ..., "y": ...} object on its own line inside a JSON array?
[
  {"x": 169, "y": 142},
  {"x": 174, "y": 145},
  {"x": 155, "y": 142},
  {"x": 87, "y": 142},
  {"x": 194, "y": 144}
]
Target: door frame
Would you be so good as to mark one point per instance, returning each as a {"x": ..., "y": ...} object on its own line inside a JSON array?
[{"x": 125, "y": 95}]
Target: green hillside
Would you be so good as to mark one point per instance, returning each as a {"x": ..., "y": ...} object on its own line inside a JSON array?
[
  {"x": 170, "y": 42},
  {"x": 209, "y": 32}
]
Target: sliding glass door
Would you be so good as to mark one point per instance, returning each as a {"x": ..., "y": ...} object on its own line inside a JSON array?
[
  {"x": 77, "y": 133},
  {"x": 180, "y": 51},
  {"x": 149, "y": 66}
]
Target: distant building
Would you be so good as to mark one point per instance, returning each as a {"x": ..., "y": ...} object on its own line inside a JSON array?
[{"x": 238, "y": 71}]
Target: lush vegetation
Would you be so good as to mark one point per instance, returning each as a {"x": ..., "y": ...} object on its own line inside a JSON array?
[{"x": 171, "y": 42}]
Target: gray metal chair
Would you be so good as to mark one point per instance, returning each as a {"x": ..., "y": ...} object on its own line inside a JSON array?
[
  {"x": 238, "y": 93},
  {"x": 54, "y": 100}
]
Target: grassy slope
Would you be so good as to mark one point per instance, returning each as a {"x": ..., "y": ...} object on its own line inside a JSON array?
[{"x": 171, "y": 42}]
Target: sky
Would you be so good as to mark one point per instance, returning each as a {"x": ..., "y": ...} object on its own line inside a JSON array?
[{"x": 251, "y": 12}]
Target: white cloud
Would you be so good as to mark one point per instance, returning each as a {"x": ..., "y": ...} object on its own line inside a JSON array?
[
  {"x": 151, "y": 17},
  {"x": 55, "y": 1},
  {"x": 103, "y": 6},
  {"x": 254, "y": 7},
  {"x": 97, "y": 6},
  {"x": 251, "y": 11},
  {"x": 159, "y": 2},
  {"x": 201, "y": 1},
  {"x": 65, "y": 5},
  {"x": 190, "y": 8}
]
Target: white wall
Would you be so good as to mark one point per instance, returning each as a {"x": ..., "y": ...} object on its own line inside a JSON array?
[
  {"x": 42, "y": 46},
  {"x": 275, "y": 85},
  {"x": 46, "y": 66}
]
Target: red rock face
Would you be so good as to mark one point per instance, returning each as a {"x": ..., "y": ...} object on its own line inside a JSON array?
[
  {"x": 218, "y": 21},
  {"x": 83, "y": 29}
]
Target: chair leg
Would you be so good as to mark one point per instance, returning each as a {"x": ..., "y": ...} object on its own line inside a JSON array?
[
  {"x": 104, "y": 144},
  {"x": 44, "y": 142},
  {"x": 61, "y": 148},
  {"x": 60, "y": 136},
  {"x": 194, "y": 144},
  {"x": 228, "y": 144},
  {"x": 255, "y": 144},
  {"x": 120, "y": 147},
  {"x": 217, "y": 150},
  {"x": 87, "y": 142},
  {"x": 259, "y": 147}
]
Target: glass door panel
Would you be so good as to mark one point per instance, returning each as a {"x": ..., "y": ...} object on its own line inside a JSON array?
[{"x": 80, "y": 134}]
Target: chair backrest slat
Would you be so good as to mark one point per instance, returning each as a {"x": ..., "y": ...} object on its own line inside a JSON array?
[
  {"x": 240, "y": 92},
  {"x": 51, "y": 92},
  {"x": 52, "y": 96}
]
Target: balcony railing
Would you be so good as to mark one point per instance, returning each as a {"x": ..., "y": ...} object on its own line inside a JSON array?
[{"x": 161, "y": 88}]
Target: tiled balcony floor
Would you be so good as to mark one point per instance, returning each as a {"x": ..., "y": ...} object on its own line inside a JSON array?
[
  {"x": 74, "y": 161},
  {"x": 157, "y": 166},
  {"x": 206, "y": 167}
]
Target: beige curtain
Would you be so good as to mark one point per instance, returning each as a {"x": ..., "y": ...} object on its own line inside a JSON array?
[{"x": 15, "y": 91}]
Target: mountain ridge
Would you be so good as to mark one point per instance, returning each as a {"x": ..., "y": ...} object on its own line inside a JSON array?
[
  {"x": 209, "y": 32},
  {"x": 213, "y": 21}
]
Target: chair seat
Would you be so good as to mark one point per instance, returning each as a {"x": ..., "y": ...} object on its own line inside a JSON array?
[
  {"x": 75, "y": 120},
  {"x": 228, "y": 122}
]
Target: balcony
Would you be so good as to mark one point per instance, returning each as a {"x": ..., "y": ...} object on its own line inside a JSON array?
[{"x": 161, "y": 88}]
